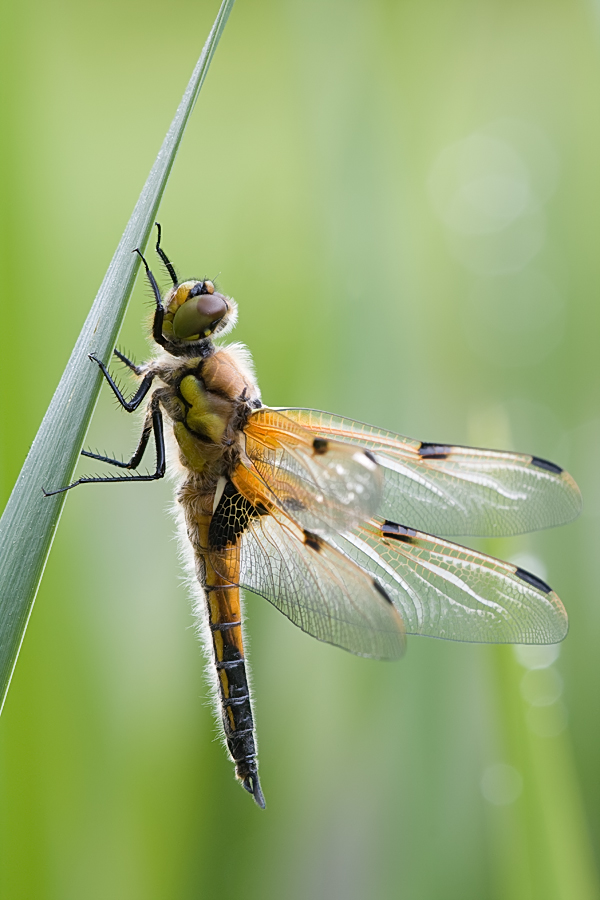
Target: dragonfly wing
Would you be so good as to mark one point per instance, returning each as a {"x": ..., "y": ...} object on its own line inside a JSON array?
[
  {"x": 453, "y": 490},
  {"x": 313, "y": 583},
  {"x": 447, "y": 591},
  {"x": 322, "y": 484}
]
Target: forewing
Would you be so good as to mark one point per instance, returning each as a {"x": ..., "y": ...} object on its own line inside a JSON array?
[
  {"x": 447, "y": 591},
  {"x": 323, "y": 484},
  {"x": 451, "y": 490},
  {"x": 318, "y": 588}
]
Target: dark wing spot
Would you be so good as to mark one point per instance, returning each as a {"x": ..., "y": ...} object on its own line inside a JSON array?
[
  {"x": 398, "y": 532},
  {"x": 533, "y": 580},
  {"x": 293, "y": 505},
  {"x": 381, "y": 590},
  {"x": 371, "y": 456},
  {"x": 230, "y": 519},
  {"x": 545, "y": 464},
  {"x": 434, "y": 451},
  {"x": 320, "y": 445},
  {"x": 313, "y": 541}
]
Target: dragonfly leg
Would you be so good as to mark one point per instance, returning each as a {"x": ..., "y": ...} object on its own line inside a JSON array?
[
  {"x": 154, "y": 423},
  {"x": 159, "y": 313},
  {"x": 166, "y": 261},
  {"x": 128, "y": 405},
  {"x": 137, "y": 456},
  {"x": 131, "y": 365}
]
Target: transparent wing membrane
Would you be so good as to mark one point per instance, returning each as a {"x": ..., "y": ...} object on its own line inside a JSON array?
[
  {"x": 447, "y": 591},
  {"x": 322, "y": 484},
  {"x": 452, "y": 490},
  {"x": 311, "y": 545},
  {"x": 311, "y": 582}
]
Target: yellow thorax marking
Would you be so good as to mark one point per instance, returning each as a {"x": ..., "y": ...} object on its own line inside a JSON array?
[
  {"x": 189, "y": 447},
  {"x": 200, "y": 418}
]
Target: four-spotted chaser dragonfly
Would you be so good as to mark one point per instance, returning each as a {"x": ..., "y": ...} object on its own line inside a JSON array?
[{"x": 303, "y": 508}]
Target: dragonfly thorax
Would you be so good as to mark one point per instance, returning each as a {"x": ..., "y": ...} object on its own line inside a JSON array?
[{"x": 208, "y": 400}]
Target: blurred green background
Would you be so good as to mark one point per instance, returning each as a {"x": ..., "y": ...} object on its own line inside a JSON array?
[{"x": 404, "y": 198}]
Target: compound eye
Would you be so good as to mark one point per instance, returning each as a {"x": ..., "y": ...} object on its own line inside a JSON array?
[{"x": 199, "y": 316}]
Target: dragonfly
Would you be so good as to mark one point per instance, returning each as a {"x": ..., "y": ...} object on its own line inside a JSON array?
[{"x": 305, "y": 509}]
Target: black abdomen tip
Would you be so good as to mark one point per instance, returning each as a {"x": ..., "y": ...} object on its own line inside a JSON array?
[{"x": 252, "y": 785}]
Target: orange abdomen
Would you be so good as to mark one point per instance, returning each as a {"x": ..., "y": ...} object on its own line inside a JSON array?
[{"x": 225, "y": 621}]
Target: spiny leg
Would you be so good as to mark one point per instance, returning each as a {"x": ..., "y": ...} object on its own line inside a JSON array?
[
  {"x": 166, "y": 261},
  {"x": 130, "y": 365},
  {"x": 154, "y": 423},
  {"x": 159, "y": 314},
  {"x": 137, "y": 456},
  {"x": 128, "y": 405}
]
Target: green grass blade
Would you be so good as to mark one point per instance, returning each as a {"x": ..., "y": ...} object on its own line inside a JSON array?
[{"x": 30, "y": 520}]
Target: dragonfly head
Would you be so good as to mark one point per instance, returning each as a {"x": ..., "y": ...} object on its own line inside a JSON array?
[{"x": 194, "y": 311}]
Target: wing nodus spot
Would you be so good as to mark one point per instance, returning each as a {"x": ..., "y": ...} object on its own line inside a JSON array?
[
  {"x": 313, "y": 541},
  {"x": 381, "y": 590},
  {"x": 320, "y": 446},
  {"x": 398, "y": 532},
  {"x": 434, "y": 451},
  {"x": 533, "y": 580},
  {"x": 546, "y": 464}
]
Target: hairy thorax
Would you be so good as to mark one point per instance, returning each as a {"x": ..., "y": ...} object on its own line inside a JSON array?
[{"x": 208, "y": 401}]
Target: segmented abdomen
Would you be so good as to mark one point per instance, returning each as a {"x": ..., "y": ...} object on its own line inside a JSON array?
[{"x": 225, "y": 622}]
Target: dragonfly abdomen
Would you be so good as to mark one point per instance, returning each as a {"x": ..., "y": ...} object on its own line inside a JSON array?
[{"x": 224, "y": 610}]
